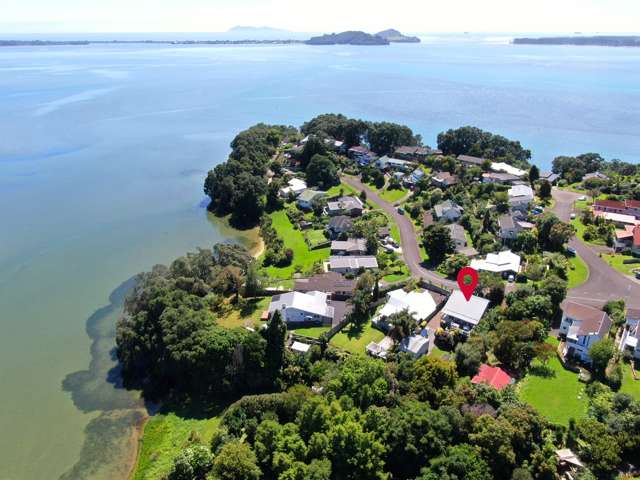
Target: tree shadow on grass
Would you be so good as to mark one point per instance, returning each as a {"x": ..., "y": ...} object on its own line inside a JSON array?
[
  {"x": 542, "y": 370},
  {"x": 354, "y": 330},
  {"x": 250, "y": 307}
]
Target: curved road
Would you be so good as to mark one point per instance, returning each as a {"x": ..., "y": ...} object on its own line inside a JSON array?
[
  {"x": 604, "y": 283},
  {"x": 408, "y": 236}
]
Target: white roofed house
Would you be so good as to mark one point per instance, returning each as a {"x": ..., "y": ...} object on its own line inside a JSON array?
[
  {"x": 389, "y": 163},
  {"x": 582, "y": 325},
  {"x": 351, "y": 206},
  {"x": 352, "y": 264},
  {"x": 420, "y": 305},
  {"x": 506, "y": 168},
  {"x": 295, "y": 186},
  {"x": 415, "y": 345},
  {"x": 459, "y": 313},
  {"x": 448, "y": 211},
  {"x": 505, "y": 263},
  {"x": 298, "y": 307},
  {"x": 520, "y": 197},
  {"x": 630, "y": 338}
]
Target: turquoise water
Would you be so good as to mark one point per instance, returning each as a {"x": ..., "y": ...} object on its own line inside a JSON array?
[{"x": 102, "y": 154}]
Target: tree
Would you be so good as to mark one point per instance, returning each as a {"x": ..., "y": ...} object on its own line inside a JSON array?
[
  {"x": 553, "y": 234},
  {"x": 437, "y": 242},
  {"x": 494, "y": 437},
  {"x": 276, "y": 334},
  {"x": 403, "y": 324},
  {"x": 384, "y": 137},
  {"x": 545, "y": 189},
  {"x": 534, "y": 174},
  {"x": 236, "y": 461},
  {"x": 193, "y": 463},
  {"x": 355, "y": 454},
  {"x": 362, "y": 295},
  {"x": 252, "y": 281},
  {"x": 314, "y": 146},
  {"x": 452, "y": 265},
  {"x": 434, "y": 377},
  {"x": 544, "y": 352},
  {"x": 526, "y": 242},
  {"x": 461, "y": 462},
  {"x": 322, "y": 172},
  {"x": 600, "y": 353},
  {"x": 555, "y": 288},
  {"x": 469, "y": 355}
]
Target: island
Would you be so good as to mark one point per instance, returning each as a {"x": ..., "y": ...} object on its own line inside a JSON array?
[
  {"x": 345, "y": 342},
  {"x": 394, "y": 36},
  {"x": 348, "y": 38},
  {"x": 600, "y": 41}
]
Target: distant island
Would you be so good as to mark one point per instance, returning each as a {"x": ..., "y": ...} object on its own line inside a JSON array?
[
  {"x": 602, "y": 41},
  {"x": 348, "y": 38},
  {"x": 394, "y": 36}
]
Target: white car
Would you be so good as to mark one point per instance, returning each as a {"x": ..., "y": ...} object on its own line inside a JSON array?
[
  {"x": 582, "y": 198},
  {"x": 573, "y": 215}
]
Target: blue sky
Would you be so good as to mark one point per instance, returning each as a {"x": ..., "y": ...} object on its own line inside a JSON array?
[{"x": 29, "y": 16}]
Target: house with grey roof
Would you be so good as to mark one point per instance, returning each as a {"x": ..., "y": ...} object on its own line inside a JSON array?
[
  {"x": 448, "y": 211},
  {"x": 511, "y": 225},
  {"x": 306, "y": 198},
  {"x": 462, "y": 314},
  {"x": 352, "y": 264},
  {"x": 500, "y": 177},
  {"x": 332, "y": 283},
  {"x": 351, "y": 246},
  {"x": 470, "y": 161},
  {"x": 339, "y": 224},
  {"x": 389, "y": 163},
  {"x": 415, "y": 153},
  {"x": 415, "y": 345},
  {"x": 351, "y": 206},
  {"x": 550, "y": 177},
  {"x": 456, "y": 232},
  {"x": 444, "y": 179},
  {"x": 582, "y": 326}
]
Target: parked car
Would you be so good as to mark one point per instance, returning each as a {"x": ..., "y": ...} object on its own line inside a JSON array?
[
  {"x": 401, "y": 210},
  {"x": 573, "y": 215},
  {"x": 582, "y": 198},
  {"x": 511, "y": 278},
  {"x": 571, "y": 251}
]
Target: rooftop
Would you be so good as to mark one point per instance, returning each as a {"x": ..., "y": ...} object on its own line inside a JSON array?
[
  {"x": 313, "y": 302},
  {"x": 505, "y": 261},
  {"x": 413, "y": 344},
  {"x": 345, "y": 203},
  {"x": 457, "y": 233},
  {"x": 506, "y": 168},
  {"x": 309, "y": 195},
  {"x": 520, "y": 191},
  {"x": 471, "y": 311},
  {"x": 329, "y": 282},
  {"x": 493, "y": 376},
  {"x": 419, "y": 304},
  {"x": 470, "y": 159},
  {"x": 352, "y": 262},
  {"x": 587, "y": 320},
  {"x": 350, "y": 245},
  {"x": 342, "y": 222}
]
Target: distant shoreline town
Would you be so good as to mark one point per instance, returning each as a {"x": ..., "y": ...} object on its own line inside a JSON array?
[{"x": 596, "y": 41}]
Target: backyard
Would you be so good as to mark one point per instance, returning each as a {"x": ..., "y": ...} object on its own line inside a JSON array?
[
  {"x": 554, "y": 391},
  {"x": 629, "y": 384},
  {"x": 247, "y": 314},
  {"x": 355, "y": 338},
  {"x": 393, "y": 195}
]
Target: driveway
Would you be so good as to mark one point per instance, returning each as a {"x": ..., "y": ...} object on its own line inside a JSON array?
[
  {"x": 408, "y": 235},
  {"x": 604, "y": 283}
]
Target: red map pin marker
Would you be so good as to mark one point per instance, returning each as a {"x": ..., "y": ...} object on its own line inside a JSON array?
[{"x": 467, "y": 281}]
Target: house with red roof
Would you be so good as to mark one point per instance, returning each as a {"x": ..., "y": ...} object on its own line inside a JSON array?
[
  {"x": 628, "y": 239},
  {"x": 492, "y": 376}
]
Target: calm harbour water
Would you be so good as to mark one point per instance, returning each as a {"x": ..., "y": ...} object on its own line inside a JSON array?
[{"x": 103, "y": 150}]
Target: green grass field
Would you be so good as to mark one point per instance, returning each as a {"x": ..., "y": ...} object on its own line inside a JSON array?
[
  {"x": 578, "y": 274},
  {"x": 580, "y": 229},
  {"x": 315, "y": 237},
  {"x": 615, "y": 261},
  {"x": 394, "y": 195},
  {"x": 293, "y": 239},
  {"x": 629, "y": 384},
  {"x": 355, "y": 339},
  {"x": 346, "y": 189},
  {"x": 249, "y": 315},
  {"x": 164, "y": 437},
  {"x": 313, "y": 332},
  {"x": 555, "y": 392}
]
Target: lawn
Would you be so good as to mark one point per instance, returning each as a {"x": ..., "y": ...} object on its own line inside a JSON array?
[
  {"x": 248, "y": 315},
  {"x": 355, "y": 338},
  {"x": 396, "y": 274},
  {"x": 629, "y": 384},
  {"x": 615, "y": 261},
  {"x": 555, "y": 392},
  {"x": 313, "y": 332},
  {"x": 578, "y": 273},
  {"x": 294, "y": 239},
  {"x": 315, "y": 237},
  {"x": 394, "y": 195},
  {"x": 164, "y": 437},
  {"x": 346, "y": 190},
  {"x": 580, "y": 228}
]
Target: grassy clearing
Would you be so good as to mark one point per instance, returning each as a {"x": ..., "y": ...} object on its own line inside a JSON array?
[
  {"x": 394, "y": 195},
  {"x": 580, "y": 229},
  {"x": 615, "y": 261},
  {"x": 555, "y": 392},
  {"x": 165, "y": 436},
  {"x": 346, "y": 189},
  {"x": 248, "y": 315},
  {"x": 355, "y": 338},
  {"x": 578, "y": 272},
  {"x": 294, "y": 239},
  {"x": 313, "y": 332},
  {"x": 629, "y": 384},
  {"x": 315, "y": 237}
]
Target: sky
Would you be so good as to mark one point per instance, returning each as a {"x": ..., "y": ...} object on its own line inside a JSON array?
[{"x": 416, "y": 16}]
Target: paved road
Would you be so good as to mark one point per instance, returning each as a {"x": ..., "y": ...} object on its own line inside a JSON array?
[
  {"x": 408, "y": 236},
  {"x": 604, "y": 282}
]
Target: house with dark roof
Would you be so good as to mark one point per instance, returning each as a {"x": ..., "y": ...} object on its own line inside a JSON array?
[
  {"x": 352, "y": 246},
  {"x": 500, "y": 177},
  {"x": 339, "y": 224},
  {"x": 361, "y": 154},
  {"x": 493, "y": 376},
  {"x": 456, "y": 232},
  {"x": 332, "y": 283},
  {"x": 626, "y": 207},
  {"x": 592, "y": 175},
  {"x": 511, "y": 225},
  {"x": 444, "y": 179},
  {"x": 550, "y": 177},
  {"x": 414, "y": 153},
  {"x": 351, "y": 206},
  {"x": 582, "y": 326},
  {"x": 470, "y": 161}
]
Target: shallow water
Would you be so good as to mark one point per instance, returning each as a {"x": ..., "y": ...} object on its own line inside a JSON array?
[{"x": 103, "y": 150}]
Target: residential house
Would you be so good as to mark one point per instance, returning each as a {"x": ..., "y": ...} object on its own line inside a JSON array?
[
  {"x": 520, "y": 197},
  {"x": 361, "y": 154},
  {"x": 620, "y": 220},
  {"x": 448, "y": 211},
  {"x": 444, "y": 179},
  {"x": 583, "y": 326},
  {"x": 415, "y": 153},
  {"x": 456, "y": 232},
  {"x": 340, "y": 224},
  {"x": 550, "y": 177},
  {"x": 352, "y": 264},
  {"x": 415, "y": 345},
  {"x": 569, "y": 464},
  {"x": 592, "y": 175},
  {"x": 630, "y": 339},
  {"x": 506, "y": 168},
  {"x": 299, "y": 347},
  {"x": 335, "y": 145},
  {"x": 463, "y": 314},
  {"x": 352, "y": 246},
  {"x": 380, "y": 349},
  {"x": 295, "y": 186},
  {"x": 414, "y": 177},
  {"x": 420, "y": 304},
  {"x": 299, "y": 307},
  {"x": 351, "y": 206},
  {"x": 388, "y": 163},
  {"x": 505, "y": 263},
  {"x": 470, "y": 161},
  {"x": 626, "y": 207},
  {"x": 511, "y": 225},
  {"x": 501, "y": 178},
  {"x": 331, "y": 283},
  {"x": 493, "y": 376},
  {"x": 628, "y": 239},
  {"x": 306, "y": 198}
]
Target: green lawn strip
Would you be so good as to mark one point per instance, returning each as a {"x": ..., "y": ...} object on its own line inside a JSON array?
[
  {"x": 393, "y": 195},
  {"x": 313, "y": 332},
  {"x": 164, "y": 437},
  {"x": 315, "y": 237},
  {"x": 398, "y": 273},
  {"x": 629, "y": 384},
  {"x": 346, "y": 189},
  {"x": 355, "y": 338},
  {"x": 248, "y": 315},
  {"x": 580, "y": 229},
  {"x": 293, "y": 239},
  {"x": 578, "y": 272},
  {"x": 615, "y": 261},
  {"x": 557, "y": 395}
]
